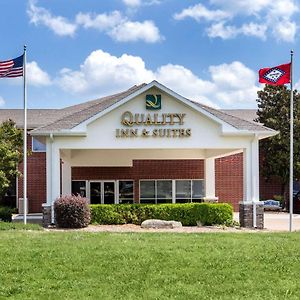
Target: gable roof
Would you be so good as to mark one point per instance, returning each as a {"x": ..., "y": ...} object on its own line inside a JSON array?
[
  {"x": 46, "y": 121},
  {"x": 245, "y": 114},
  {"x": 76, "y": 114},
  {"x": 35, "y": 117},
  {"x": 235, "y": 121}
]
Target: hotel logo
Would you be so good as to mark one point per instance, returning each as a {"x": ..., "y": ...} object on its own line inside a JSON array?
[{"x": 153, "y": 102}]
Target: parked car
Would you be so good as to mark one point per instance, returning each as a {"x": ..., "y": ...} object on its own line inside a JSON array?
[{"x": 272, "y": 205}]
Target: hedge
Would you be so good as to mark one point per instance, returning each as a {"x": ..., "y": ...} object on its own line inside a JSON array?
[
  {"x": 6, "y": 213},
  {"x": 189, "y": 214}
]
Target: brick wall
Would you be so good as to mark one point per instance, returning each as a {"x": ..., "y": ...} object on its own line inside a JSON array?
[
  {"x": 36, "y": 179},
  {"x": 143, "y": 169},
  {"x": 229, "y": 179}
]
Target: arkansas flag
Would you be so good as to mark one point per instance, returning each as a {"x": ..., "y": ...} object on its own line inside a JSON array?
[{"x": 276, "y": 76}]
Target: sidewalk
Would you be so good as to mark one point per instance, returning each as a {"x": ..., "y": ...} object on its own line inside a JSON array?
[{"x": 278, "y": 221}]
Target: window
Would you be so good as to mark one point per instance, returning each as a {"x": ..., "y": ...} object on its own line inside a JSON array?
[
  {"x": 183, "y": 191},
  {"x": 189, "y": 190},
  {"x": 164, "y": 191},
  {"x": 156, "y": 191},
  {"x": 38, "y": 146},
  {"x": 147, "y": 191},
  {"x": 125, "y": 191},
  {"x": 198, "y": 190},
  {"x": 79, "y": 188},
  {"x": 161, "y": 191}
]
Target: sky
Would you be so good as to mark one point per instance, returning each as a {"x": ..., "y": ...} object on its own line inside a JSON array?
[{"x": 208, "y": 51}]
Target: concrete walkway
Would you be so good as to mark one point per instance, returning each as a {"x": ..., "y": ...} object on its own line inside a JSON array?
[{"x": 278, "y": 221}]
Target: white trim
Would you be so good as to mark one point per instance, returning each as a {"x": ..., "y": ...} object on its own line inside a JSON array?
[{"x": 59, "y": 133}]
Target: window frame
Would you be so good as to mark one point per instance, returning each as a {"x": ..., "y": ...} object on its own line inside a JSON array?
[
  {"x": 38, "y": 151},
  {"x": 174, "y": 198}
]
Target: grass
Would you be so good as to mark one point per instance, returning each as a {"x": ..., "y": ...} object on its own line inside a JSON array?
[
  {"x": 19, "y": 226},
  {"x": 81, "y": 265}
]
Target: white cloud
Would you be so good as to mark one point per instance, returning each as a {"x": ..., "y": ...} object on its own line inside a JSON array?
[
  {"x": 200, "y": 12},
  {"x": 257, "y": 18},
  {"x": 244, "y": 7},
  {"x": 228, "y": 32},
  {"x": 132, "y": 3},
  {"x": 133, "y": 31},
  {"x": 41, "y": 16},
  {"x": 36, "y": 76},
  {"x": 285, "y": 31},
  {"x": 138, "y": 3},
  {"x": 100, "y": 22},
  {"x": 2, "y": 101},
  {"x": 114, "y": 24},
  {"x": 223, "y": 31},
  {"x": 235, "y": 82},
  {"x": 106, "y": 73},
  {"x": 254, "y": 29},
  {"x": 120, "y": 28},
  {"x": 102, "y": 73}
]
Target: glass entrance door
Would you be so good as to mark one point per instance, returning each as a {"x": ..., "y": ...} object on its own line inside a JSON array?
[
  {"x": 108, "y": 192},
  {"x": 95, "y": 192}
]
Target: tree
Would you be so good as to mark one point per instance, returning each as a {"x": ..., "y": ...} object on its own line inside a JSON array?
[
  {"x": 274, "y": 112},
  {"x": 11, "y": 142}
]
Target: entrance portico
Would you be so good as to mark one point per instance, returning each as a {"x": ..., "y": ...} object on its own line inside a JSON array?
[{"x": 122, "y": 130}]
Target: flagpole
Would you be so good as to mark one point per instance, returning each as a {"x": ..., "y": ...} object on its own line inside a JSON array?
[
  {"x": 25, "y": 141},
  {"x": 291, "y": 146}
]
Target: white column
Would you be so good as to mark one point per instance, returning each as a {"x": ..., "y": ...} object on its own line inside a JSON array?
[
  {"x": 247, "y": 174},
  {"x": 210, "y": 180},
  {"x": 66, "y": 177},
  {"x": 255, "y": 169},
  {"x": 251, "y": 172},
  {"x": 55, "y": 173},
  {"x": 48, "y": 170}
]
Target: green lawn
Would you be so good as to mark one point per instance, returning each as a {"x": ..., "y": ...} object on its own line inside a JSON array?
[{"x": 80, "y": 265}]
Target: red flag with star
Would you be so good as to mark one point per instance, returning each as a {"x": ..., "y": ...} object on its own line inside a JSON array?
[{"x": 278, "y": 75}]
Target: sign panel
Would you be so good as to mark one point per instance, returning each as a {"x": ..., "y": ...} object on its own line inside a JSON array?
[{"x": 164, "y": 125}]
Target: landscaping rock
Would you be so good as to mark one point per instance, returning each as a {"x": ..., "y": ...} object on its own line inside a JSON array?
[{"x": 153, "y": 223}]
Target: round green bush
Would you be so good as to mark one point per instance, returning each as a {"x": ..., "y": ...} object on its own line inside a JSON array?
[{"x": 72, "y": 212}]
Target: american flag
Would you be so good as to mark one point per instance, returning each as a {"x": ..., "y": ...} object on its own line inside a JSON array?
[{"x": 12, "y": 67}]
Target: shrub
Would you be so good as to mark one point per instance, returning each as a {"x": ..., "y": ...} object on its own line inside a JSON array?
[
  {"x": 188, "y": 214},
  {"x": 72, "y": 212},
  {"x": 6, "y": 213}
]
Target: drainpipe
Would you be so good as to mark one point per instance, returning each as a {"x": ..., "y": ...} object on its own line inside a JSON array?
[{"x": 51, "y": 175}]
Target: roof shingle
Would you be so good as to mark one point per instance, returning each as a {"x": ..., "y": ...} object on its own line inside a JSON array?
[{"x": 55, "y": 120}]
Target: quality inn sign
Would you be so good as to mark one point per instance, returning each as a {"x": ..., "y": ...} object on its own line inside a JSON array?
[{"x": 154, "y": 124}]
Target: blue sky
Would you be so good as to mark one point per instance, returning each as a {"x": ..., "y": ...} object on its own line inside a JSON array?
[{"x": 209, "y": 51}]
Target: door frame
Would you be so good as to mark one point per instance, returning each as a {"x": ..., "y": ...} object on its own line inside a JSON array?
[{"x": 102, "y": 189}]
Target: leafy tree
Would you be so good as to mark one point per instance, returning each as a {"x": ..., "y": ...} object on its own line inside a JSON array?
[
  {"x": 274, "y": 112},
  {"x": 11, "y": 143}
]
